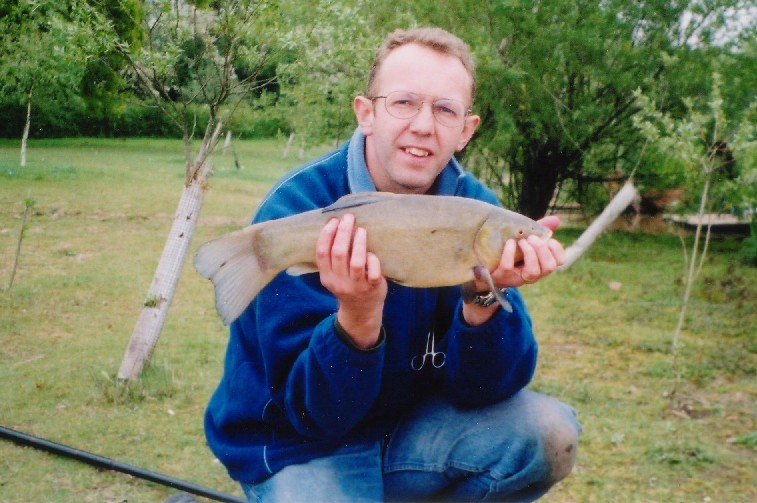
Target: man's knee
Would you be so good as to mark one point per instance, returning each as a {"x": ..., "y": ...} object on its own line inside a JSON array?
[{"x": 560, "y": 430}]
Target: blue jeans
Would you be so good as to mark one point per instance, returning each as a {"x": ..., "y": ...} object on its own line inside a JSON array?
[{"x": 511, "y": 451}]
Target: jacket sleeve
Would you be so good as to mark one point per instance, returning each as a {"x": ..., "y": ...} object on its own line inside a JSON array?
[
  {"x": 489, "y": 363},
  {"x": 322, "y": 385}
]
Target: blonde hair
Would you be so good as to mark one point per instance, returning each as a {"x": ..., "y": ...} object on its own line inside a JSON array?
[{"x": 436, "y": 39}]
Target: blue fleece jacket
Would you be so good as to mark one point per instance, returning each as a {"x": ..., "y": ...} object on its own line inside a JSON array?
[{"x": 293, "y": 388}]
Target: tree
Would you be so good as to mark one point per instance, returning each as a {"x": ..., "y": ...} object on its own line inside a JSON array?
[
  {"x": 708, "y": 144},
  {"x": 102, "y": 86},
  {"x": 557, "y": 92},
  {"x": 42, "y": 54},
  {"x": 187, "y": 64},
  {"x": 332, "y": 45}
]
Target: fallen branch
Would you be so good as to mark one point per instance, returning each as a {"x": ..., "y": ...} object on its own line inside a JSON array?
[{"x": 620, "y": 202}]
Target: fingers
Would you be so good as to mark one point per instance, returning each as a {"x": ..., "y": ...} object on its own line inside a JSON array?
[
  {"x": 528, "y": 260},
  {"x": 373, "y": 269},
  {"x": 324, "y": 244},
  {"x": 341, "y": 248},
  {"x": 531, "y": 268},
  {"x": 343, "y": 258},
  {"x": 557, "y": 251},
  {"x": 540, "y": 258},
  {"x": 359, "y": 257}
]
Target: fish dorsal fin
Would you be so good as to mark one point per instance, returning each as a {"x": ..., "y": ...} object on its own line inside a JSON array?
[{"x": 359, "y": 199}]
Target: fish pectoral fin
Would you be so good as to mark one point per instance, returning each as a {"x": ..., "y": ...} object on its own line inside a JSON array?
[
  {"x": 468, "y": 290},
  {"x": 359, "y": 199},
  {"x": 482, "y": 272},
  {"x": 300, "y": 269}
]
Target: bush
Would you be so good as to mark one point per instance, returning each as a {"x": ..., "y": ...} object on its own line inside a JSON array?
[{"x": 135, "y": 119}]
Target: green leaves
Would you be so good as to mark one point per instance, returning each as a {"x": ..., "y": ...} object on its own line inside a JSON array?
[{"x": 706, "y": 141}]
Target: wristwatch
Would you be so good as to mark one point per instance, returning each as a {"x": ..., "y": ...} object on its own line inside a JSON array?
[{"x": 483, "y": 299}]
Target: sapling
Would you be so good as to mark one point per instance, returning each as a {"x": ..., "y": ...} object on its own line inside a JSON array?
[
  {"x": 697, "y": 140},
  {"x": 28, "y": 205}
]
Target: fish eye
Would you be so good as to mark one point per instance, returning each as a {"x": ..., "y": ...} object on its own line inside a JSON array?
[{"x": 520, "y": 232}]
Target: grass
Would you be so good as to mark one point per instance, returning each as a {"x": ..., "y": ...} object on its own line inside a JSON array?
[{"x": 102, "y": 211}]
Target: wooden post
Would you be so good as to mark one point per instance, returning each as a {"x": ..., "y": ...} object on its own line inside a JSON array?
[{"x": 288, "y": 146}]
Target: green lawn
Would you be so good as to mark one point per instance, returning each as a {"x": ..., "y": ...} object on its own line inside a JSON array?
[{"x": 102, "y": 209}]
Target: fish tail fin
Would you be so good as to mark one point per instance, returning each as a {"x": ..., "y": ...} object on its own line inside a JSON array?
[{"x": 237, "y": 272}]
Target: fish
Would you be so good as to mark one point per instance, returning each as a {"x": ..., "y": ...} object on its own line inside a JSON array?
[{"x": 421, "y": 241}]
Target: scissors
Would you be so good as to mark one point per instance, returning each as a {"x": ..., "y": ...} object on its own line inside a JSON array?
[{"x": 437, "y": 359}]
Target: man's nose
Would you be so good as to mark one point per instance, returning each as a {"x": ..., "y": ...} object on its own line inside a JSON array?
[{"x": 424, "y": 121}]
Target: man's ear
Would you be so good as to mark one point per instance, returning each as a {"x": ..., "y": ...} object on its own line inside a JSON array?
[
  {"x": 471, "y": 123},
  {"x": 363, "y": 108}
]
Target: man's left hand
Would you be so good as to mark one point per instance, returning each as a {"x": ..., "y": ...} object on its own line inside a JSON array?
[{"x": 540, "y": 259}]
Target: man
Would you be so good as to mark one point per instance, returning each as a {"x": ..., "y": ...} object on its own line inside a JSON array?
[{"x": 341, "y": 386}]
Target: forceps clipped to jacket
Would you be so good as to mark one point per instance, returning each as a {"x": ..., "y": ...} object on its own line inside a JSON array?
[{"x": 437, "y": 358}]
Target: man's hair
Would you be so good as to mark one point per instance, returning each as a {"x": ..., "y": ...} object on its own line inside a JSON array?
[{"x": 436, "y": 39}]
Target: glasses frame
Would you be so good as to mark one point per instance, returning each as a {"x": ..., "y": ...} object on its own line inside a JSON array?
[{"x": 423, "y": 99}]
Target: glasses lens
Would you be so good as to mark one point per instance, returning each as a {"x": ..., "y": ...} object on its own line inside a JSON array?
[
  {"x": 405, "y": 105},
  {"x": 449, "y": 112}
]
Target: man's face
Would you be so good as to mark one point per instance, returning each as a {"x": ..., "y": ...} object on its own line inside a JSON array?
[{"x": 406, "y": 155}]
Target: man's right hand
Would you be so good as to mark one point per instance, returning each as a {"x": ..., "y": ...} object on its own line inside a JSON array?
[{"x": 353, "y": 275}]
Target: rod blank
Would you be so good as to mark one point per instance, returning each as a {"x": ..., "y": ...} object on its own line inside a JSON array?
[{"x": 111, "y": 464}]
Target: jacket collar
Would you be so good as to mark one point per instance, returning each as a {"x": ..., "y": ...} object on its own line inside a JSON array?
[{"x": 359, "y": 180}]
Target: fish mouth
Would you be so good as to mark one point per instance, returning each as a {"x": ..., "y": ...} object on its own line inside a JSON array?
[{"x": 417, "y": 151}]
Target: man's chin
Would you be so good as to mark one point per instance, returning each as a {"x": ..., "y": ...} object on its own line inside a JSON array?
[
  {"x": 415, "y": 186},
  {"x": 416, "y": 180}
]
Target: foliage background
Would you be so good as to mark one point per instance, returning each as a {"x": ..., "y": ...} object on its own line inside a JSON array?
[{"x": 555, "y": 90}]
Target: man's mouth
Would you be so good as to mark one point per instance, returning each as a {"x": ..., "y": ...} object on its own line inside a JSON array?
[{"x": 417, "y": 152}]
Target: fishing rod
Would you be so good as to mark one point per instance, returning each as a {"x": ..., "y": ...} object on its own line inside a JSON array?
[{"x": 111, "y": 464}]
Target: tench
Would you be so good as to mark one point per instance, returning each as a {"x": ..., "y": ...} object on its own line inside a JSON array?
[{"x": 420, "y": 240}]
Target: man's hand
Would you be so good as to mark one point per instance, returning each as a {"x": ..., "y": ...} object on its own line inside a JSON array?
[
  {"x": 353, "y": 275},
  {"x": 540, "y": 258}
]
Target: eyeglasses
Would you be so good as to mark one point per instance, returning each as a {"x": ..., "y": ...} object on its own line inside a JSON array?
[{"x": 406, "y": 105}]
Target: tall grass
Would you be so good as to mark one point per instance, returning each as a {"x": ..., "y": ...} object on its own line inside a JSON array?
[{"x": 102, "y": 210}]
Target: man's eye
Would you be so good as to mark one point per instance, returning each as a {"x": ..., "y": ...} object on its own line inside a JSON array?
[{"x": 405, "y": 103}]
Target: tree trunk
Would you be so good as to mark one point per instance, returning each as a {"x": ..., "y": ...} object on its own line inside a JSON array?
[
  {"x": 226, "y": 143},
  {"x": 147, "y": 330},
  {"x": 540, "y": 172},
  {"x": 25, "y": 136}
]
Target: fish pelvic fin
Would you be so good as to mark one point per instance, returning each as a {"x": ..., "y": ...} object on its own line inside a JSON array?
[
  {"x": 482, "y": 272},
  {"x": 237, "y": 272}
]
